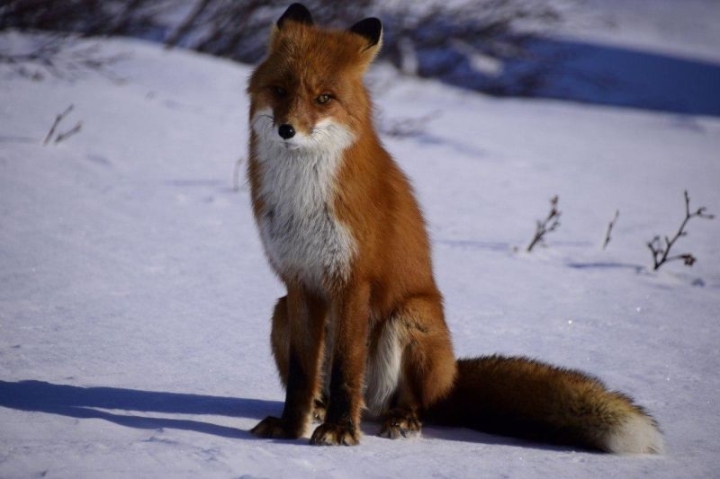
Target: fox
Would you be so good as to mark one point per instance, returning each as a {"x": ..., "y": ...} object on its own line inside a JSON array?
[{"x": 361, "y": 329}]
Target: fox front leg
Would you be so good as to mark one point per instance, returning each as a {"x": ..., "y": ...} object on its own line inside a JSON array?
[
  {"x": 349, "y": 318},
  {"x": 305, "y": 318}
]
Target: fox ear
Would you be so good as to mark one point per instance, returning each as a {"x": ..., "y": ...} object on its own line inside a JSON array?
[
  {"x": 371, "y": 30},
  {"x": 296, "y": 13}
]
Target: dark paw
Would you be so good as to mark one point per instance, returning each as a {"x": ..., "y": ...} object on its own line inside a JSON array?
[
  {"x": 400, "y": 425},
  {"x": 319, "y": 411},
  {"x": 335, "y": 435},
  {"x": 274, "y": 427}
]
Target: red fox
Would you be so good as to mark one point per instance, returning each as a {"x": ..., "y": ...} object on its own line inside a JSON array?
[{"x": 362, "y": 324}]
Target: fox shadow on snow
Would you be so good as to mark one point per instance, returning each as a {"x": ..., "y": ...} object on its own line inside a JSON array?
[{"x": 91, "y": 403}]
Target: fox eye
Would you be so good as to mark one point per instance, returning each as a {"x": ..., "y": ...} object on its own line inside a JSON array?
[
  {"x": 279, "y": 91},
  {"x": 323, "y": 99}
]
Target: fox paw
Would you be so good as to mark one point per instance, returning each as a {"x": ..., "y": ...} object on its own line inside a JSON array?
[
  {"x": 401, "y": 425},
  {"x": 335, "y": 435},
  {"x": 319, "y": 411},
  {"x": 274, "y": 427}
]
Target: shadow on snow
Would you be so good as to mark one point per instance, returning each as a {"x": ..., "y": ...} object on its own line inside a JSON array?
[
  {"x": 567, "y": 69},
  {"x": 94, "y": 403},
  {"x": 89, "y": 403}
]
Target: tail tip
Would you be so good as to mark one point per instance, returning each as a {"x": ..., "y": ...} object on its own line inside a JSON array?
[{"x": 639, "y": 434}]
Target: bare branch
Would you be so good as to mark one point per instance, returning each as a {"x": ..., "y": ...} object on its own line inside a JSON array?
[
  {"x": 61, "y": 56},
  {"x": 611, "y": 225},
  {"x": 187, "y": 25},
  {"x": 661, "y": 253},
  {"x": 68, "y": 134},
  {"x": 550, "y": 223},
  {"x": 57, "y": 121}
]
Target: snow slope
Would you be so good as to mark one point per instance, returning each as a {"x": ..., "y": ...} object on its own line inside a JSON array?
[{"x": 135, "y": 298}]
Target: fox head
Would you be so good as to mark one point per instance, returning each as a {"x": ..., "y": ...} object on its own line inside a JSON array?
[{"x": 309, "y": 91}]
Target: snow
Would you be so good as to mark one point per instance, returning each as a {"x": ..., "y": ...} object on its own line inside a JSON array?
[{"x": 135, "y": 297}]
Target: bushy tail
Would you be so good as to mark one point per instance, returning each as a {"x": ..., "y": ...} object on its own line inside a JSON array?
[{"x": 524, "y": 398}]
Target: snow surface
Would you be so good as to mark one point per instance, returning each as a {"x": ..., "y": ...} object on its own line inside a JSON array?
[{"x": 135, "y": 297}]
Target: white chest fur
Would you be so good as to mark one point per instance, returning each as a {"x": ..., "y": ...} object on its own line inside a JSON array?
[{"x": 301, "y": 234}]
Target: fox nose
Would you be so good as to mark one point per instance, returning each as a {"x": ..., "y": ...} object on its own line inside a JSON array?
[{"x": 286, "y": 131}]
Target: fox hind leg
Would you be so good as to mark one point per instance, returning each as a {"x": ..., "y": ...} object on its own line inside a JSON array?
[{"x": 427, "y": 366}]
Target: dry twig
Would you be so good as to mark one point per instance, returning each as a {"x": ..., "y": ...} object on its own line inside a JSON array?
[
  {"x": 611, "y": 225},
  {"x": 55, "y": 124},
  {"x": 69, "y": 133},
  {"x": 661, "y": 252},
  {"x": 550, "y": 223}
]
